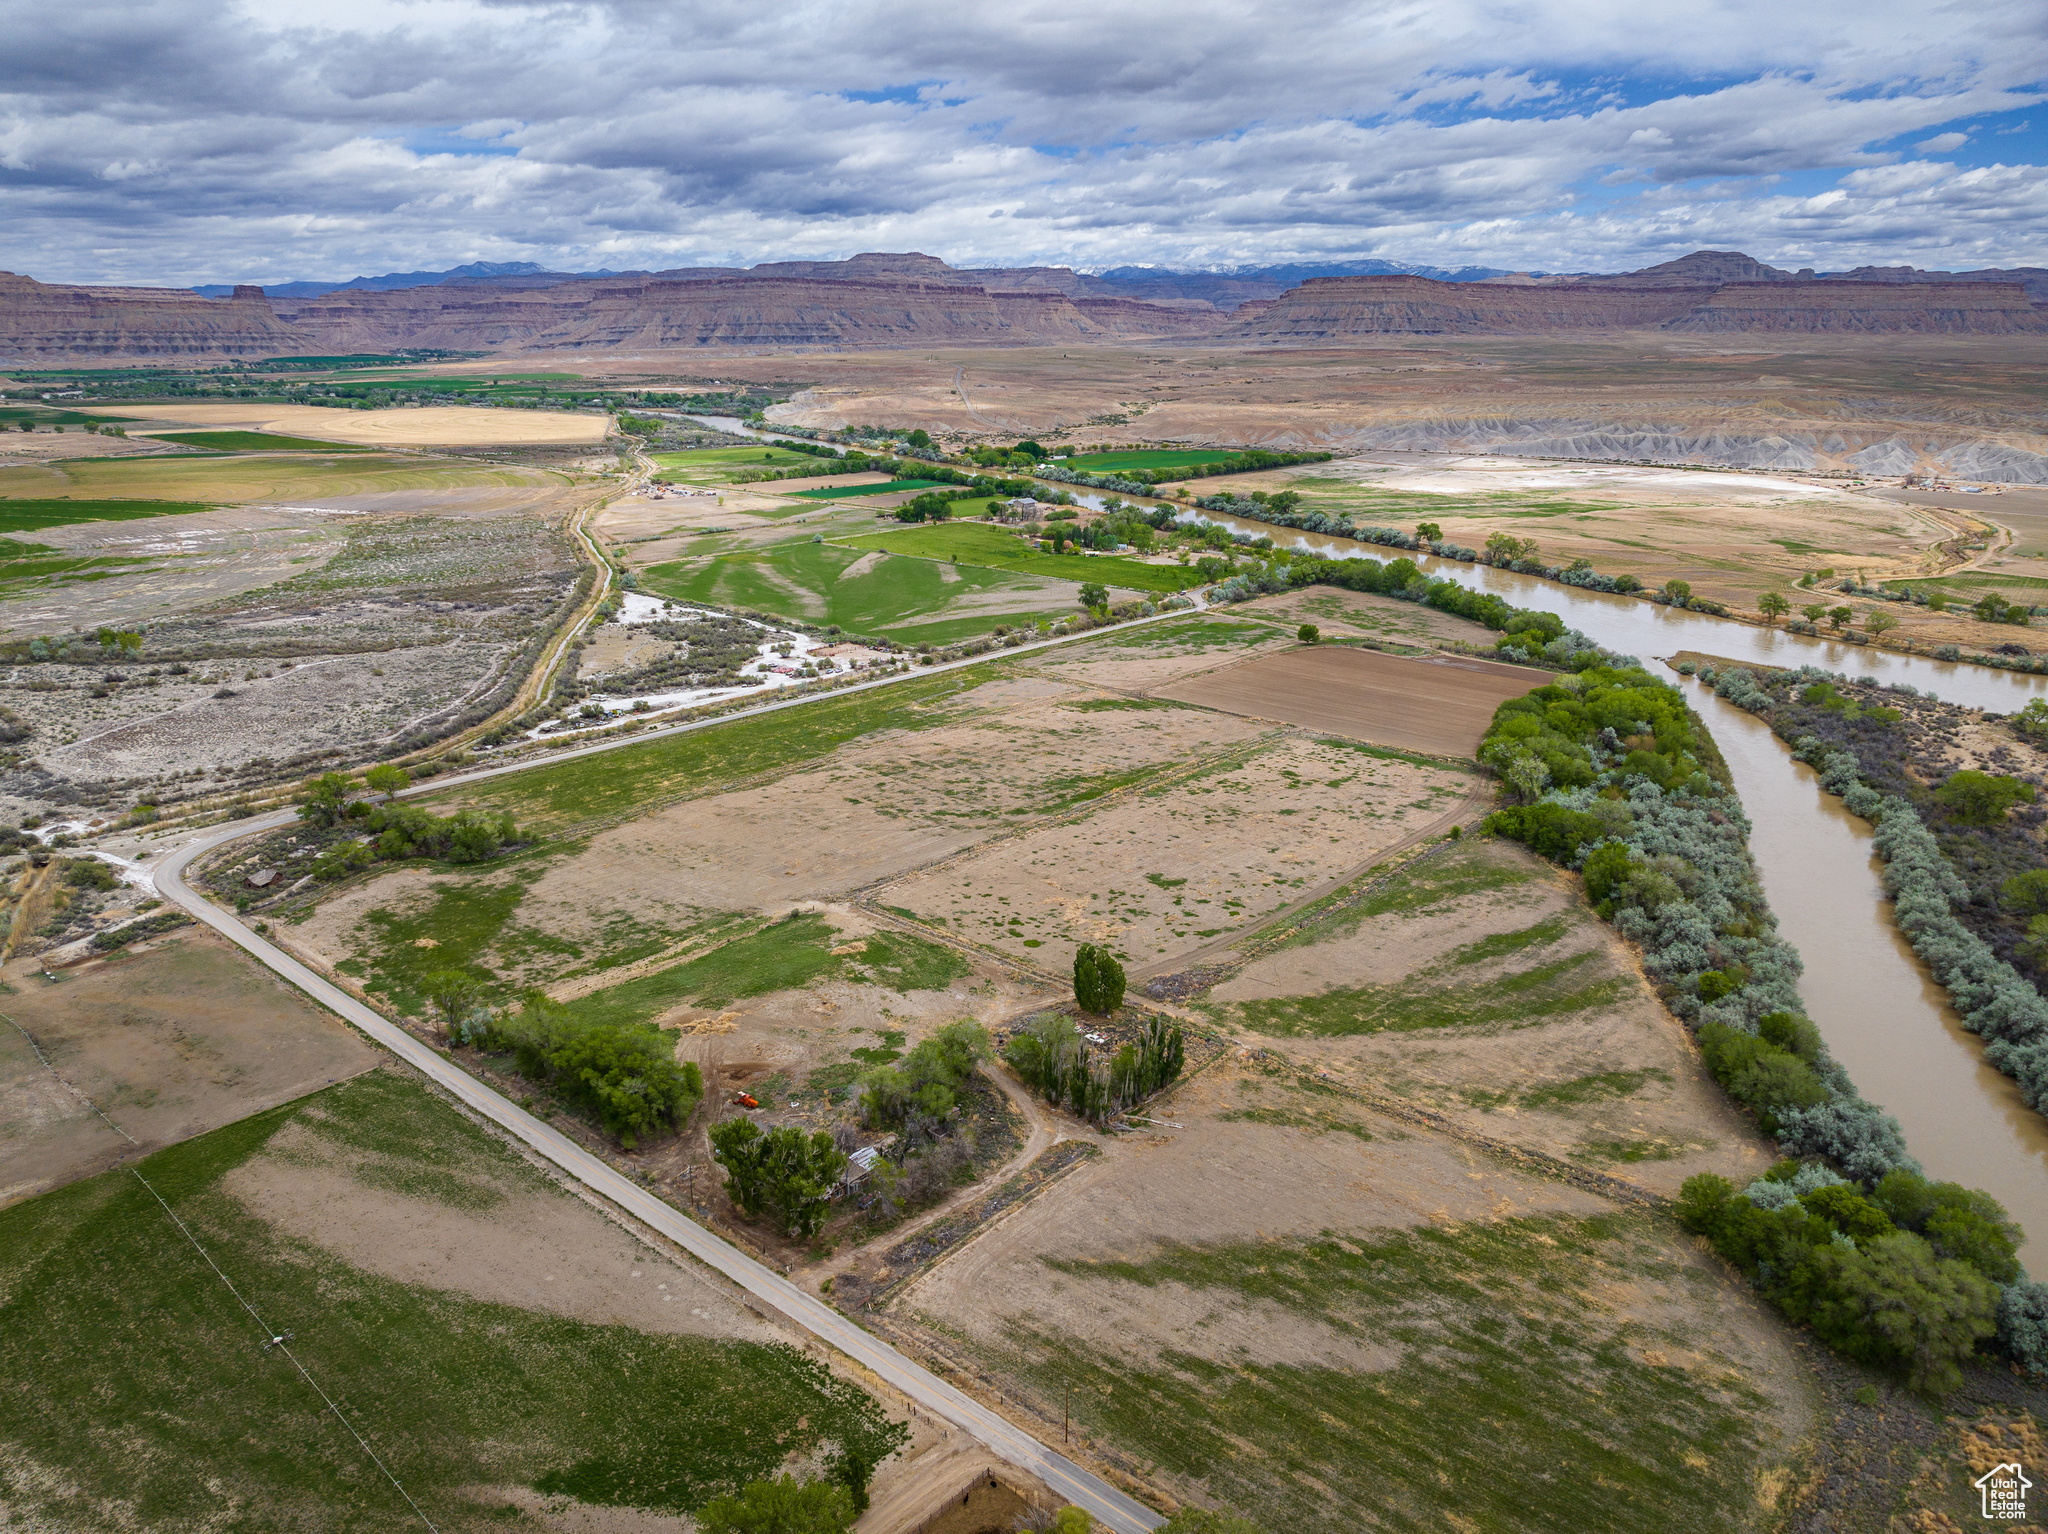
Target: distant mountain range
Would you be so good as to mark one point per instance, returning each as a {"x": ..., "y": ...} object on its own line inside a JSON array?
[{"x": 882, "y": 300}]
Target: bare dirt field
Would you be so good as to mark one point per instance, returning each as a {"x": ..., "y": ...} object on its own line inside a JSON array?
[
  {"x": 171, "y": 1038},
  {"x": 1441, "y": 705},
  {"x": 1170, "y": 867},
  {"x": 1479, "y": 984},
  {"x": 417, "y": 426},
  {"x": 1288, "y": 1305}
]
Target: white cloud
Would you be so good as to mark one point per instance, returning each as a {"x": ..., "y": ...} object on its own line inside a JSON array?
[{"x": 272, "y": 141}]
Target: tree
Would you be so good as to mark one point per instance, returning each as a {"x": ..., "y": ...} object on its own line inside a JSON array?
[
  {"x": 1678, "y": 592},
  {"x": 784, "y": 1172},
  {"x": 1773, "y": 606},
  {"x": 326, "y": 799},
  {"x": 1098, "y": 980},
  {"x": 1429, "y": 532},
  {"x": 387, "y": 779},
  {"x": 452, "y": 992},
  {"x": 2025, "y": 894},
  {"x": 1838, "y": 617},
  {"x": 781, "y": 1506},
  {"x": 1813, "y": 612},
  {"x": 854, "y": 1468},
  {"x": 1308, "y": 633},
  {"x": 1030, "y": 449},
  {"x": 1893, "y": 1302},
  {"x": 1877, "y": 621},
  {"x": 1094, "y": 594},
  {"x": 919, "y": 438},
  {"x": 1982, "y": 798}
]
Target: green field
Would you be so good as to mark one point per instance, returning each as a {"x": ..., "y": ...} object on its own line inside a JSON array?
[
  {"x": 722, "y": 465},
  {"x": 28, "y": 515},
  {"x": 842, "y": 492},
  {"x": 1513, "y": 1400},
  {"x": 973, "y": 543},
  {"x": 784, "y": 957},
  {"x": 255, "y": 442},
  {"x": 140, "y": 1394},
  {"x": 901, "y": 597},
  {"x": 232, "y": 479},
  {"x": 635, "y": 778},
  {"x": 1968, "y": 589},
  {"x": 1146, "y": 458}
]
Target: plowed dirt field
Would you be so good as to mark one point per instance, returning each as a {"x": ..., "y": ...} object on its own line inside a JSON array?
[{"x": 1441, "y": 705}]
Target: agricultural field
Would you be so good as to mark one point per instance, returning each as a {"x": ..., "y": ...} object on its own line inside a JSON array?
[
  {"x": 174, "y": 1036},
  {"x": 864, "y": 591},
  {"x": 1477, "y": 983},
  {"x": 515, "y": 1359},
  {"x": 1294, "y": 1308},
  {"x": 238, "y": 480},
  {"x": 426, "y": 426},
  {"x": 724, "y": 465},
  {"x": 253, "y": 442},
  {"x": 847, "y": 492},
  {"x": 980, "y": 544},
  {"x": 1437, "y": 704}
]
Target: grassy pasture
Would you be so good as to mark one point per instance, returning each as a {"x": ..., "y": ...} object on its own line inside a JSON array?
[
  {"x": 30, "y": 514},
  {"x": 1146, "y": 458},
  {"x": 847, "y": 492},
  {"x": 903, "y": 597},
  {"x": 979, "y": 544},
  {"x": 635, "y": 778},
  {"x": 723, "y": 465},
  {"x": 786, "y": 956},
  {"x": 233, "y": 480},
  {"x": 143, "y": 1395},
  {"x": 255, "y": 442}
]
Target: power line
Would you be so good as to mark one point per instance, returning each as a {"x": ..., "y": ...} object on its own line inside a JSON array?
[
  {"x": 281, "y": 1343},
  {"x": 278, "y": 1340}
]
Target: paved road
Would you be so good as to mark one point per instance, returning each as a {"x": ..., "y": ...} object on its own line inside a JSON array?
[{"x": 1011, "y": 1443}]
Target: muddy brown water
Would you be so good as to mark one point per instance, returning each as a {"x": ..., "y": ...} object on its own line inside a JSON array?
[{"x": 1880, "y": 1011}]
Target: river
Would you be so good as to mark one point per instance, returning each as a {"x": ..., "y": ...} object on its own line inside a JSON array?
[{"x": 1874, "y": 1002}]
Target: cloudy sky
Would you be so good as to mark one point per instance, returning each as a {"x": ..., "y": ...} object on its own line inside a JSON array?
[{"x": 181, "y": 141}]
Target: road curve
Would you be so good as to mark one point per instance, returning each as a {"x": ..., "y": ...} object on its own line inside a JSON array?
[{"x": 1009, "y": 1442}]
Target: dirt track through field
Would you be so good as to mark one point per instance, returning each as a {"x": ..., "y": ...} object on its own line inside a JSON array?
[{"x": 1441, "y": 705}]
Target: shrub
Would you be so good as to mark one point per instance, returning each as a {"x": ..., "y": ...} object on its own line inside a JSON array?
[
  {"x": 924, "y": 1086},
  {"x": 1979, "y": 798},
  {"x": 1549, "y": 830},
  {"x": 781, "y": 1506},
  {"x": 628, "y": 1077}
]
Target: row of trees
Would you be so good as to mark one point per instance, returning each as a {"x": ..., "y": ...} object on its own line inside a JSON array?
[
  {"x": 628, "y": 1078},
  {"x": 1056, "y": 1062},
  {"x": 398, "y": 830},
  {"x": 1615, "y": 775}
]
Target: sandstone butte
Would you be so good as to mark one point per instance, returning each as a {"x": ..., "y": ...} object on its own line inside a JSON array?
[
  {"x": 1336, "y": 308},
  {"x": 876, "y": 302}
]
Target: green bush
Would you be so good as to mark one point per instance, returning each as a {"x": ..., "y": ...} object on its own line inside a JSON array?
[
  {"x": 924, "y": 1084},
  {"x": 628, "y": 1077},
  {"x": 1980, "y": 798},
  {"x": 1832, "y": 1259},
  {"x": 1758, "y": 1074},
  {"x": 781, "y": 1506},
  {"x": 1549, "y": 830},
  {"x": 89, "y": 874}
]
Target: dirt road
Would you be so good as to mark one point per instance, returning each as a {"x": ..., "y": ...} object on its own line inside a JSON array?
[{"x": 1067, "y": 1479}]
